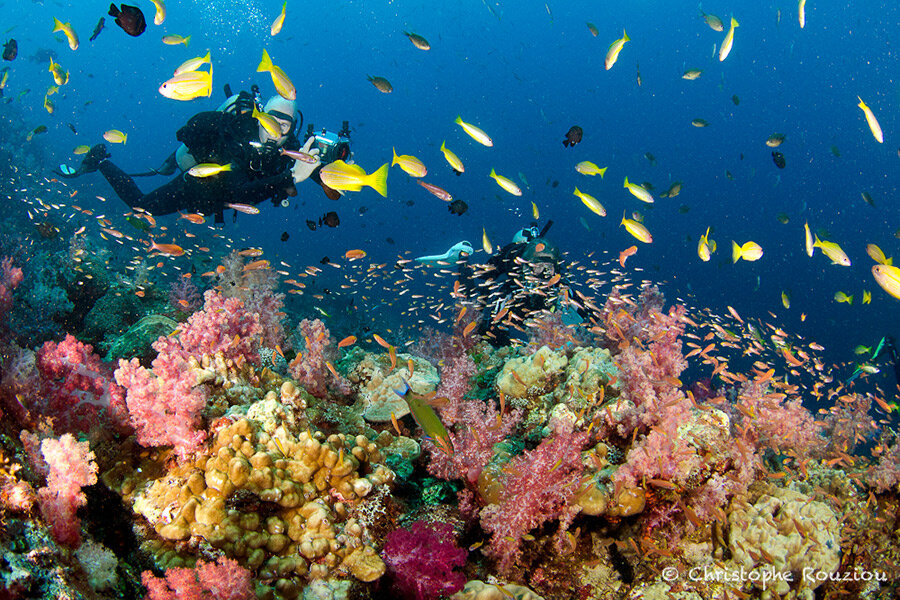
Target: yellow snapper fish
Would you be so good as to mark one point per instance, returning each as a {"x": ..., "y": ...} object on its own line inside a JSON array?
[
  {"x": 410, "y": 164},
  {"x": 638, "y": 191},
  {"x": 725, "y": 49},
  {"x": 877, "y": 254},
  {"x": 66, "y": 28},
  {"x": 114, "y": 136},
  {"x": 612, "y": 55},
  {"x": 750, "y": 251},
  {"x": 283, "y": 84},
  {"x": 485, "y": 242},
  {"x": 888, "y": 277},
  {"x": 706, "y": 248},
  {"x": 208, "y": 169},
  {"x": 867, "y": 297},
  {"x": 507, "y": 184},
  {"x": 160, "y": 16},
  {"x": 842, "y": 298},
  {"x": 82, "y": 149},
  {"x": 591, "y": 202},
  {"x": 192, "y": 64},
  {"x": 175, "y": 39},
  {"x": 810, "y": 248},
  {"x": 452, "y": 159},
  {"x": 586, "y": 167},
  {"x": 268, "y": 122},
  {"x": 188, "y": 85},
  {"x": 60, "y": 77},
  {"x": 351, "y": 178},
  {"x": 801, "y": 13},
  {"x": 535, "y": 212},
  {"x": 278, "y": 23},
  {"x": 48, "y": 105},
  {"x": 474, "y": 132},
  {"x": 785, "y": 299},
  {"x": 872, "y": 121},
  {"x": 833, "y": 251},
  {"x": 637, "y": 230}
]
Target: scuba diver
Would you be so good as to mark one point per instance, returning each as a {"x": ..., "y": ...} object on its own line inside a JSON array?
[
  {"x": 520, "y": 281},
  {"x": 260, "y": 163}
]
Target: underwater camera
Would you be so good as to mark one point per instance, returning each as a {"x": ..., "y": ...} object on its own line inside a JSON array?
[{"x": 332, "y": 146}]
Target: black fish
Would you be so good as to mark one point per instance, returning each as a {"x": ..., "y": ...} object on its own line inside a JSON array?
[
  {"x": 330, "y": 218},
  {"x": 285, "y": 236},
  {"x": 778, "y": 158},
  {"x": 311, "y": 225},
  {"x": 458, "y": 207},
  {"x": 10, "y": 50},
  {"x": 735, "y": 99},
  {"x": 43, "y": 55},
  {"x": 573, "y": 136},
  {"x": 72, "y": 127},
  {"x": 98, "y": 29},
  {"x": 325, "y": 260},
  {"x": 129, "y": 18}
]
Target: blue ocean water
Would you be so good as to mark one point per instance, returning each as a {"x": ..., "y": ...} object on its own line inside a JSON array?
[{"x": 525, "y": 72}]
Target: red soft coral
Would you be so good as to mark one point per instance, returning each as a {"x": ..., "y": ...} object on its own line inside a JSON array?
[
  {"x": 223, "y": 580},
  {"x": 316, "y": 349},
  {"x": 10, "y": 278}
]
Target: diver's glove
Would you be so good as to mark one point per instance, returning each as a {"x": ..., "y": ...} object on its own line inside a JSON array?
[
  {"x": 302, "y": 169},
  {"x": 451, "y": 255}
]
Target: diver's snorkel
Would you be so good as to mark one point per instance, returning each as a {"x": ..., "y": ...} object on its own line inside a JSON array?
[{"x": 546, "y": 228}]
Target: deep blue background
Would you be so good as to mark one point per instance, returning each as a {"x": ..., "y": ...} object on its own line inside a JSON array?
[{"x": 525, "y": 79}]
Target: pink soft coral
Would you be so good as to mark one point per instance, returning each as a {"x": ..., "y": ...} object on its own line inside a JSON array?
[
  {"x": 70, "y": 466},
  {"x": 316, "y": 349},
  {"x": 224, "y": 325},
  {"x": 77, "y": 389},
  {"x": 223, "y": 580},
  {"x": 10, "y": 278}
]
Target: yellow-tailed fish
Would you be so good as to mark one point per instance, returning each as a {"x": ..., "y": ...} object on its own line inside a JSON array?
[
  {"x": 278, "y": 23},
  {"x": 612, "y": 55},
  {"x": 591, "y": 202},
  {"x": 174, "y": 40},
  {"x": 53, "y": 89},
  {"x": 485, "y": 242},
  {"x": 82, "y": 149},
  {"x": 192, "y": 64},
  {"x": 48, "y": 105},
  {"x": 878, "y": 255},
  {"x": 872, "y": 121},
  {"x": 586, "y": 167},
  {"x": 704, "y": 249},
  {"x": 60, "y": 76},
  {"x": 474, "y": 132},
  {"x": 160, "y": 16},
  {"x": 810, "y": 248},
  {"x": 283, "y": 84},
  {"x": 351, "y": 178},
  {"x": 785, "y": 299},
  {"x": 268, "y": 122},
  {"x": 833, "y": 251},
  {"x": 4, "y": 79},
  {"x": 638, "y": 191},
  {"x": 725, "y": 49},
  {"x": 801, "y": 13},
  {"x": 66, "y": 28},
  {"x": 452, "y": 159},
  {"x": 867, "y": 297},
  {"x": 114, "y": 136},
  {"x": 842, "y": 298},
  {"x": 188, "y": 85},
  {"x": 411, "y": 165},
  {"x": 750, "y": 251},
  {"x": 636, "y": 229},
  {"x": 507, "y": 184},
  {"x": 535, "y": 212},
  {"x": 888, "y": 277},
  {"x": 208, "y": 169}
]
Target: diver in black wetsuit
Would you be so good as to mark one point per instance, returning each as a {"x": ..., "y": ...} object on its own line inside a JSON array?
[
  {"x": 523, "y": 278},
  {"x": 260, "y": 168}
]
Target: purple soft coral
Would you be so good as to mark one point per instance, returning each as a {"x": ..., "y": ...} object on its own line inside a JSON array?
[{"x": 422, "y": 560}]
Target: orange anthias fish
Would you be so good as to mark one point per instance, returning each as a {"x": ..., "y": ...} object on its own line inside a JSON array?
[
  {"x": 167, "y": 249},
  {"x": 194, "y": 218},
  {"x": 354, "y": 254},
  {"x": 624, "y": 254},
  {"x": 347, "y": 341}
]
